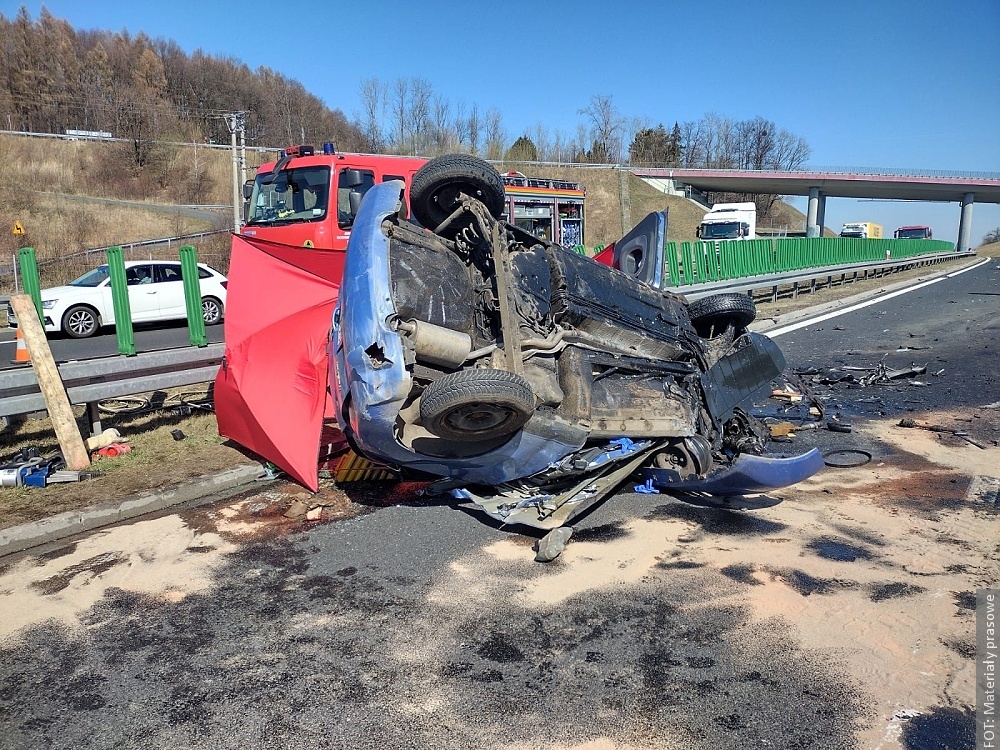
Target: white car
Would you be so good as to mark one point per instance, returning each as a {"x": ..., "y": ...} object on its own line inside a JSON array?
[{"x": 155, "y": 293}]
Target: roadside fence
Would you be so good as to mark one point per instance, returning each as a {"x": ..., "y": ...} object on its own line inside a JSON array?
[{"x": 55, "y": 271}]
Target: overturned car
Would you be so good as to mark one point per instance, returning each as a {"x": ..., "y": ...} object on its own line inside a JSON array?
[{"x": 531, "y": 380}]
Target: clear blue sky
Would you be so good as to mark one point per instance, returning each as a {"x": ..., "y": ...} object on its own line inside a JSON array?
[{"x": 868, "y": 83}]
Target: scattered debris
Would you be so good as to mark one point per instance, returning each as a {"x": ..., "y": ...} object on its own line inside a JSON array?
[
  {"x": 103, "y": 439},
  {"x": 297, "y": 509},
  {"x": 787, "y": 394},
  {"x": 271, "y": 471},
  {"x": 28, "y": 468},
  {"x": 846, "y": 458},
  {"x": 877, "y": 375},
  {"x": 911, "y": 423},
  {"x": 552, "y": 544},
  {"x": 177, "y": 435}
]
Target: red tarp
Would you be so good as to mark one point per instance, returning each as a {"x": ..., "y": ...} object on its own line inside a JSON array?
[{"x": 271, "y": 392}]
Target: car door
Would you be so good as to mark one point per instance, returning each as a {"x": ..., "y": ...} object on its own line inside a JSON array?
[
  {"x": 142, "y": 292},
  {"x": 170, "y": 290}
]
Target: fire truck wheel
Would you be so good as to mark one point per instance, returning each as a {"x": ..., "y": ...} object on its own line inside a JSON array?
[
  {"x": 437, "y": 185},
  {"x": 711, "y": 316},
  {"x": 476, "y": 405}
]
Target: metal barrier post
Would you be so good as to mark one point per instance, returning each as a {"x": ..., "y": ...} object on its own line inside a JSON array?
[
  {"x": 673, "y": 264},
  {"x": 119, "y": 300},
  {"x": 29, "y": 278},
  {"x": 192, "y": 296}
]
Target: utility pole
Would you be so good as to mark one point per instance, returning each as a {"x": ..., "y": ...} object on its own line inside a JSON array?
[{"x": 235, "y": 123}]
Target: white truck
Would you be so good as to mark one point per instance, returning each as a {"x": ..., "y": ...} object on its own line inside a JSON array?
[
  {"x": 864, "y": 230},
  {"x": 729, "y": 221}
]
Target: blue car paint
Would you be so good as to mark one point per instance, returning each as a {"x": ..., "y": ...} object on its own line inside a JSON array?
[
  {"x": 745, "y": 475},
  {"x": 378, "y": 390}
]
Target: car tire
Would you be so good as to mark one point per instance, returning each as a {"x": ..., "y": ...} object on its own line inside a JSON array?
[
  {"x": 436, "y": 186},
  {"x": 712, "y": 316},
  {"x": 476, "y": 405},
  {"x": 211, "y": 311},
  {"x": 80, "y": 322}
]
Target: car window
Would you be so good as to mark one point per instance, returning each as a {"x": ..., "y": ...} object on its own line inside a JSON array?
[
  {"x": 169, "y": 272},
  {"x": 138, "y": 275},
  {"x": 204, "y": 273},
  {"x": 92, "y": 278},
  {"x": 352, "y": 184}
]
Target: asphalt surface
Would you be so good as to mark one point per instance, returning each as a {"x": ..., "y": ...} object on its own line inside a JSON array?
[{"x": 405, "y": 627}]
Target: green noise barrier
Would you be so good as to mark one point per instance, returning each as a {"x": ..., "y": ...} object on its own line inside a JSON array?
[{"x": 725, "y": 260}]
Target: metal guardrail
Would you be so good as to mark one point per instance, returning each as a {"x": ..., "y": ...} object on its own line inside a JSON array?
[
  {"x": 89, "y": 381},
  {"x": 794, "y": 278},
  {"x": 92, "y": 380}
]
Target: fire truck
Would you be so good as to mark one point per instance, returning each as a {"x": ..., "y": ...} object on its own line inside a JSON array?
[
  {"x": 309, "y": 198},
  {"x": 551, "y": 210}
]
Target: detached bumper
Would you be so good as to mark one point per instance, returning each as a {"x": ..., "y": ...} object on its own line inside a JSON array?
[{"x": 746, "y": 475}]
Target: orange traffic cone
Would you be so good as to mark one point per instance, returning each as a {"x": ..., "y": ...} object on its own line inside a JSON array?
[{"x": 21, "y": 356}]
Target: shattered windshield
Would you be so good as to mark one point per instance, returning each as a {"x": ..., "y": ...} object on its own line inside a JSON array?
[
  {"x": 293, "y": 195},
  {"x": 91, "y": 278},
  {"x": 723, "y": 230}
]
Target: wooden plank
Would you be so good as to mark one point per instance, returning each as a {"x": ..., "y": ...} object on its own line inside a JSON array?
[{"x": 50, "y": 384}]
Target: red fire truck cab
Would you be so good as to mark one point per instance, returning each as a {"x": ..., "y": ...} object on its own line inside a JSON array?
[{"x": 310, "y": 199}]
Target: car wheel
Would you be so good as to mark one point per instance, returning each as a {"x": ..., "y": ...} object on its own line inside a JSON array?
[
  {"x": 80, "y": 322},
  {"x": 712, "y": 316},
  {"x": 476, "y": 405},
  {"x": 211, "y": 311},
  {"x": 436, "y": 186}
]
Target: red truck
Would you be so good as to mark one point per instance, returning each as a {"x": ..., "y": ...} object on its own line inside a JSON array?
[{"x": 310, "y": 199}]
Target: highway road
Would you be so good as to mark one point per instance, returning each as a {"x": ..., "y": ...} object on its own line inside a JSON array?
[
  {"x": 147, "y": 338},
  {"x": 839, "y": 618}
]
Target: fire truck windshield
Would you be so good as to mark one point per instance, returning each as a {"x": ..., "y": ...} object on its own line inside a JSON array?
[{"x": 292, "y": 195}]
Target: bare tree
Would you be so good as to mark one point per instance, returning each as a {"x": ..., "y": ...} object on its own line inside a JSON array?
[
  {"x": 607, "y": 125},
  {"x": 460, "y": 125},
  {"x": 442, "y": 133},
  {"x": 419, "y": 117},
  {"x": 399, "y": 106},
  {"x": 373, "y": 94},
  {"x": 540, "y": 137},
  {"x": 475, "y": 129},
  {"x": 494, "y": 134}
]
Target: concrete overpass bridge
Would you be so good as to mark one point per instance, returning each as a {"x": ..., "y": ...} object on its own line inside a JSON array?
[{"x": 818, "y": 184}]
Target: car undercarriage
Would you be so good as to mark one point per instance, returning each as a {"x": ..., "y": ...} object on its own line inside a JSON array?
[{"x": 533, "y": 381}]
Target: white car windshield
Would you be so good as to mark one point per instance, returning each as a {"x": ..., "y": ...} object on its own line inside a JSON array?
[{"x": 91, "y": 278}]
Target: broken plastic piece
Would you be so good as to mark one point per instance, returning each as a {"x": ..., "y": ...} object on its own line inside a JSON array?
[
  {"x": 647, "y": 488},
  {"x": 552, "y": 544}
]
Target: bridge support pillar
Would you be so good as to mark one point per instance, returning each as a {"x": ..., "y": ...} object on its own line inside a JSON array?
[
  {"x": 812, "y": 213},
  {"x": 965, "y": 223},
  {"x": 821, "y": 215}
]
